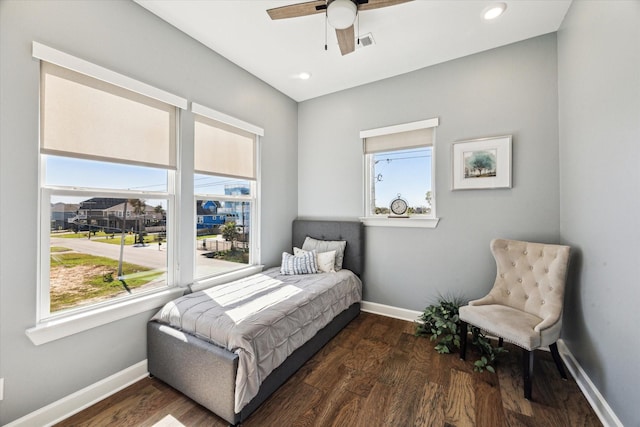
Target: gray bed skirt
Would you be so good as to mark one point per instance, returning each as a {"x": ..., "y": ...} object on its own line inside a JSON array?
[{"x": 206, "y": 373}]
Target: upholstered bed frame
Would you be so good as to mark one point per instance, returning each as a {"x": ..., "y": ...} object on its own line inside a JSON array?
[{"x": 206, "y": 373}]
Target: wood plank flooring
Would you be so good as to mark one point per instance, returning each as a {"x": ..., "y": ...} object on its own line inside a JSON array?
[{"x": 374, "y": 373}]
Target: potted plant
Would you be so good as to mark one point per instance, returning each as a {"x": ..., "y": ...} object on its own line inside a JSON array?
[{"x": 441, "y": 323}]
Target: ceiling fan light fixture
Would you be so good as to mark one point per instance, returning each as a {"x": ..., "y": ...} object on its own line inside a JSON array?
[{"x": 342, "y": 13}]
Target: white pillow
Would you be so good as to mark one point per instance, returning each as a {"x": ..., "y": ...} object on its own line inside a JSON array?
[
  {"x": 325, "y": 246},
  {"x": 324, "y": 260}
]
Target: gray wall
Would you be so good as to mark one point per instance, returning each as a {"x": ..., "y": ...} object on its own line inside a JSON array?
[
  {"x": 124, "y": 37},
  {"x": 509, "y": 90},
  {"x": 599, "y": 107}
]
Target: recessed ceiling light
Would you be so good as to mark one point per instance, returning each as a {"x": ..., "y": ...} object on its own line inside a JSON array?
[
  {"x": 493, "y": 11},
  {"x": 304, "y": 76}
]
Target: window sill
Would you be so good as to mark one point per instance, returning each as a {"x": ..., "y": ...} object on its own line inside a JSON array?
[
  {"x": 227, "y": 277},
  {"x": 411, "y": 222},
  {"x": 64, "y": 326}
]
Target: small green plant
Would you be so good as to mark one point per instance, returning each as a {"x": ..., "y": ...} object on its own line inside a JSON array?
[
  {"x": 441, "y": 323},
  {"x": 488, "y": 353}
]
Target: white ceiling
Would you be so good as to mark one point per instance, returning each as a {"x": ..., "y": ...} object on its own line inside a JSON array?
[{"x": 407, "y": 37}]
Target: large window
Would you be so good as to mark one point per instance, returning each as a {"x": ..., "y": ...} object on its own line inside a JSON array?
[
  {"x": 399, "y": 164},
  {"x": 107, "y": 203},
  {"x": 225, "y": 189}
]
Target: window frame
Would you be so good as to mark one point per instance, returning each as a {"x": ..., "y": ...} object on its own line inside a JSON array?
[
  {"x": 414, "y": 220},
  {"x": 254, "y": 199},
  {"x": 44, "y": 290},
  {"x": 54, "y": 326}
]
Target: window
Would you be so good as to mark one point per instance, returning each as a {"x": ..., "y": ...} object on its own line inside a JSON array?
[
  {"x": 398, "y": 162},
  {"x": 225, "y": 189},
  {"x": 108, "y": 157}
]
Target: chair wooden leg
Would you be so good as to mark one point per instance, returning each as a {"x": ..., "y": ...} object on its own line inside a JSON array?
[
  {"x": 556, "y": 358},
  {"x": 527, "y": 372},
  {"x": 463, "y": 340}
]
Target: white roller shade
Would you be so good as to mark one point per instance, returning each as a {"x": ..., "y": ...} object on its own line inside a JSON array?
[
  {"x": 399, "y": 141},
  {"x": 221, "y": 149},
  {"x": 399, "y": 137},
  {"x": 88, "y": 118}
]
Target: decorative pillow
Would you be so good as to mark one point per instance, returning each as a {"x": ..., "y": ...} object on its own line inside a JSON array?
[
  {"x": 303, "y": 264},
  {"x": 324, "y": 260},
  {"x": 325, "y": 246}
]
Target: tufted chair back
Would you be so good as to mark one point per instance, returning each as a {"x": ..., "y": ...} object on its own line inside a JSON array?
[{"x": 530, "y": 277}]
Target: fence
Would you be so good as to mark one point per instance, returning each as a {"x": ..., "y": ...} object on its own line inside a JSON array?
[{"x": 216, "y": 245}]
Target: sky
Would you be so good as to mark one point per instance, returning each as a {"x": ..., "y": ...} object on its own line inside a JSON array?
[
  {"x": 396, "y": 173},
  {"x": 70, "y": 172}
]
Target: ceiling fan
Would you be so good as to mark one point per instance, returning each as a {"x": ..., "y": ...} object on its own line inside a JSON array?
[{"x": 341, "y": 14}]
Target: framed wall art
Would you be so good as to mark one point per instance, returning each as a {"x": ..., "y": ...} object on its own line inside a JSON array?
[{"x": 482, "y": 163}]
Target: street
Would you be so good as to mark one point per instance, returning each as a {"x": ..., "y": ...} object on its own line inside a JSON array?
[{"x": 147, "y": 256}]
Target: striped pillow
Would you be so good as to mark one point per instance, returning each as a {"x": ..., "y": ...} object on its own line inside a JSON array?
[{"x": 302, "y": 264}]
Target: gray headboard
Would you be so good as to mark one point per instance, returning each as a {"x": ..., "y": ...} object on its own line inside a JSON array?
[{"x": 351, "y": 231}]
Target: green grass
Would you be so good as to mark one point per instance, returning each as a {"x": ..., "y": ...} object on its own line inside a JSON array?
[
  {"x": 207, "y": 236},
  {"x": 82, "y": 234},
  {"x": 59, "y": 249},
  {"x": 129, "y": 239},
  {"x": 96, "y": 285},
  {"x": 102, "y": 237},
  {"x": 235, "y": 255}
]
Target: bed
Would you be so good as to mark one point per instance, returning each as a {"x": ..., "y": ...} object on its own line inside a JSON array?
[{"x": 187, "y": 354}]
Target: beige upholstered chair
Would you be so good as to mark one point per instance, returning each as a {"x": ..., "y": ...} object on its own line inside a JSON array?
[{"x": 524, "y": 306}]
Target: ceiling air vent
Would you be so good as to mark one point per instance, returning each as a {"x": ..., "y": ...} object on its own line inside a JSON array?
[{"x": 366, "y": 40}]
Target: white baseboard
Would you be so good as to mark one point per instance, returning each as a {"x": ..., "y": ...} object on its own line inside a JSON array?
[
  {"x": 76, "y": 402},
  {"x": 589, "y": 390},
  {"x": 390, "y": 311}
]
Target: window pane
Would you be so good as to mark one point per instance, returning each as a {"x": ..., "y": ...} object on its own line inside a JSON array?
[
  {"x": 208, "y": 184},
  {"x": 105, "y": 248},
  {"x": 70, "y": 172},
  {"x": 223, "y": 236},
  {"x": 402, "y": 172}
]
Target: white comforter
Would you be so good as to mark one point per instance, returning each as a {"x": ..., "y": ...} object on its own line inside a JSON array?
[{"x": 262, "y": 318}]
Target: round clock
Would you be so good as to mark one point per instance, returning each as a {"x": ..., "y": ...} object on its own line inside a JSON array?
[{"x": 399, "y": 206}]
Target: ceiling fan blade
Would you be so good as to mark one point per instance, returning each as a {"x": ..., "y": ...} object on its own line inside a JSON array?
[
  {"x": 346, "y": 40},
  {"x": 376, "y": 4},
  {"x": 299, "y": 9}
]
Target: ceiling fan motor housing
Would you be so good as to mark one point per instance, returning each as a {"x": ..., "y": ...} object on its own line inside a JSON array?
[{"x": 342, "y": 13}]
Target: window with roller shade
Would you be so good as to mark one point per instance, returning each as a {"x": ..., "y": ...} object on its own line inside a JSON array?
[
  {"x": 399, "y": 163},
  {"x": 225, "y": 189},
  {"x": 108, "y": 156}
]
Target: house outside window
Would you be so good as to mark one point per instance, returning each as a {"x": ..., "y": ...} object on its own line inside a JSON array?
[
  {"x": 108, "y": 157},
  {"x": 226, "y": 182},
  {"x": 399, "y": 164}
]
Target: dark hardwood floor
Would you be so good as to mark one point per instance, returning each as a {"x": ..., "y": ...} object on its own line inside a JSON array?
[{"x": 374, "y": 373}]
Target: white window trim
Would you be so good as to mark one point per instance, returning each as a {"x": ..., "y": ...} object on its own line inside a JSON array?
[
  {"x": 415, "y": 220},
  {"x": 54, "y": 56},
  {"x": 227, "y": 277},
  {"x": 225, "y": 118},
  {"x": 254, "y": 248},
  {"x": 50, "y": 327},
  {"x": 62, "y": 326}
]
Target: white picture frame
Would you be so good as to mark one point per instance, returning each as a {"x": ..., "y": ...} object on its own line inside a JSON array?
[{"x": 483, "y": 163}]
